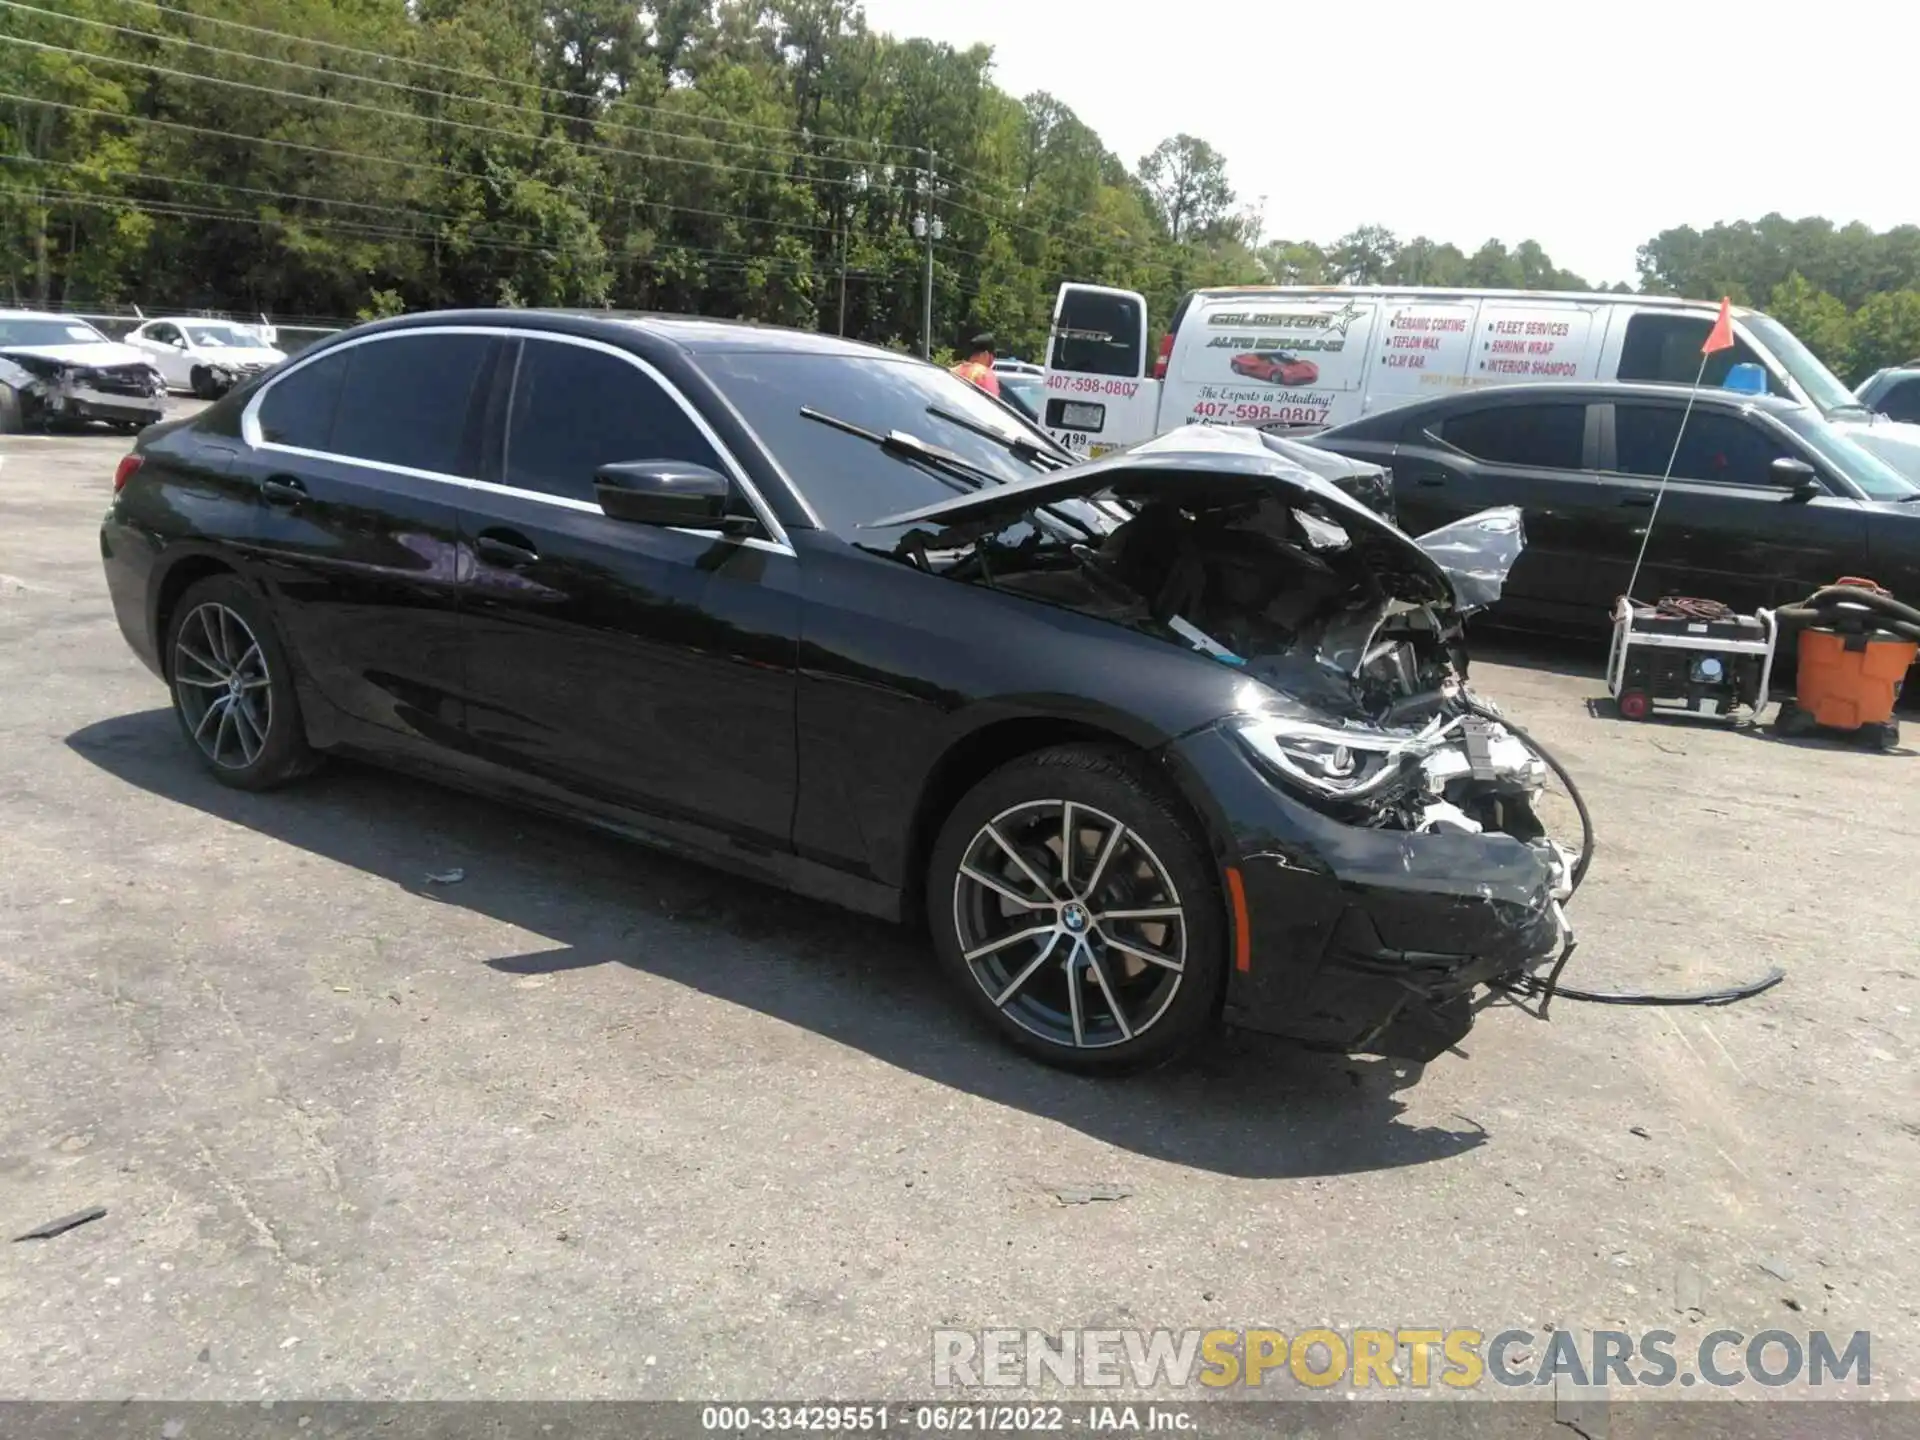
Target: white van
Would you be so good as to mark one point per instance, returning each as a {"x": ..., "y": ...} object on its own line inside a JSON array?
[{"x": 1273, "y": 356}]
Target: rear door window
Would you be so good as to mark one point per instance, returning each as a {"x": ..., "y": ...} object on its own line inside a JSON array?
[
  {"x": 405, "y": 401},
  {"x": 1547, "y": 437},
  {"x": 1728, "y": 449},
  {"x": 298, "y": 409},
  {"x": 575, "y": 409}
]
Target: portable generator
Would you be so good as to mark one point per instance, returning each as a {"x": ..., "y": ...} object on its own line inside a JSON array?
[{"x": 1690, "y": 657}]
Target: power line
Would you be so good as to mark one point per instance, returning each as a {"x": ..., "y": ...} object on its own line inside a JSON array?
[
  {"x": 616, "y": 197},
  {"x": 481, "y": 75},
  {"x": 404, "y": 211},
  {"x": 169, "y": 209},
  {"x": 986, "y": 188},
  {"x": 422, "y": 90},
  {"x": 422, "y": 119},
  {"x": 939, "y": 192}
]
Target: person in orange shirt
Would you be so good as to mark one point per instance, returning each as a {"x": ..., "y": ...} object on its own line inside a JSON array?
[{"x": 977, "y": 368}]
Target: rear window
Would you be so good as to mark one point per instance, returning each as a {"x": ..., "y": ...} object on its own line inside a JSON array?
[
  {"x": 1550, "y": 437},
  {"x": 1098, "y": 334}
]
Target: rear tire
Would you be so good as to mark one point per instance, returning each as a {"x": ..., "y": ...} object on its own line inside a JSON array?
[
  {"x": 1116, "y": 962},
  {"x": 1883, "y": 736},
  {"x": 233, "y": 687}
]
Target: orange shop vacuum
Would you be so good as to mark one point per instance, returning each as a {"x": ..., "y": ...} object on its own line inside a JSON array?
[{"x": 1856, "y": 644}]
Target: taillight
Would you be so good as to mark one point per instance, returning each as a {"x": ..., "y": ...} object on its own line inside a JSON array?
[
  {"x": 1166, "y": 354},
  {"x": 123, "y": 472}
]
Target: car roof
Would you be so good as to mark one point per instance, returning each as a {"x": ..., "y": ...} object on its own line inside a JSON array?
[
  {"x": 1576, "y": 392},
  {"x": 40, "y": 315},
  {"x": 693, "y": 334},
  {"x": 1464, "y": 292},
  {"x": 1599, "y": 391}
]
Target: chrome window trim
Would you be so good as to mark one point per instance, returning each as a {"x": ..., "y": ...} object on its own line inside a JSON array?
[{"x": 775, "y": 543}]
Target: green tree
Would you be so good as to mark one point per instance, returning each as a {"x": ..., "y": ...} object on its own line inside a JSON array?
[
  {"x": 1820, "y": 320},
  {"x": 1187, "y": 179},
  {"x": 1886, "y": 331}
]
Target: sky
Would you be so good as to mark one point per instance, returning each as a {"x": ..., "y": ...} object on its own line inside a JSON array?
[{"x": 1587, "y": 127}]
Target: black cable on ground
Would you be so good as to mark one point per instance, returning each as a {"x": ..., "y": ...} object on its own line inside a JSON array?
[{"x": 1551, "y": 987}]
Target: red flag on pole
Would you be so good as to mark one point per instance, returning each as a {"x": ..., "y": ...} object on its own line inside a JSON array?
[{"x": 1721, "y": 336}]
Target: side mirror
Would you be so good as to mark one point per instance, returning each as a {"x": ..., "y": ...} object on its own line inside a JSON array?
[
  {"x": 664, "y": 492},
  {"x": 1797, "y": 477}
]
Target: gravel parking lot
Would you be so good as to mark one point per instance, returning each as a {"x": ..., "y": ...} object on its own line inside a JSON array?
[{"x": 596, "y": 1123}]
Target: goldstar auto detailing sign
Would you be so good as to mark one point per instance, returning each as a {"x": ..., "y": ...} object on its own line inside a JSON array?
[{"x": 1268, "y": 362}]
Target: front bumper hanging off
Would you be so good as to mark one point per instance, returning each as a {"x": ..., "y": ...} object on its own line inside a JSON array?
[{"x": 1374, "y": 941}]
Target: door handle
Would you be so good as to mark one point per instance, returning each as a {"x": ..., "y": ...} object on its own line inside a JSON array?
[
  {"x": 1430, "y": 480},
  {"x": 282, "y": 490},
  {"x": 1637, "y": 502},
  {"x": 506, "y": 549}
]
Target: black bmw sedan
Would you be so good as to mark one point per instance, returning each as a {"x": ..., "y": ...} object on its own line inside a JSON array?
[{"x": 1178, "y": 734}]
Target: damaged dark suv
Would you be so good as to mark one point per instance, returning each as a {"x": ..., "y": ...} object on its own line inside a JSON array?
[{"x": 1179, "y": 734}]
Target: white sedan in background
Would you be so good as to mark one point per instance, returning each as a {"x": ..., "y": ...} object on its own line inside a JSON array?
[{"x": 206, "y": 358}]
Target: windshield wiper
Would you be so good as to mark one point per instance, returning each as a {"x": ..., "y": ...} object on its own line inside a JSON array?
[
  {"x": 942, "y": 464},
  {"x": 1022, "y": 450}
]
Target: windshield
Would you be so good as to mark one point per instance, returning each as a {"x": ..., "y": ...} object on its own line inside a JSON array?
[
  {"x": 848, "y": 480},
  {"x": 214, "y": 337},
  {"x": 1876, "y": 478},
  {"x": 1820, "y": 383},
  {"x": 1900, "y": 451},
  {"x": 31, "y": 331},
  {"x": 1025, "y": 393}
]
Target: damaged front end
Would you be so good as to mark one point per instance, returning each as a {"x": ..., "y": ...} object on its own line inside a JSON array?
[
  {"x": 1381, "y": 821},
  {"x": 48, "y": 389}
]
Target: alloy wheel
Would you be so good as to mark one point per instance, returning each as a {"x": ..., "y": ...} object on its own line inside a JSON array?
[
  {"x": 222, "y": 685},
  {"x": 1070, "y": 923}
]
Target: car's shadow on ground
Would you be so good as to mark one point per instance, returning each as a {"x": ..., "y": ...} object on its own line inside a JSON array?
[{"x": 1246, "y": 1105}]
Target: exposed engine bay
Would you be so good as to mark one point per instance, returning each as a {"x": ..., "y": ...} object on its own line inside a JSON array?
[{"x": 1352, "y": 631}]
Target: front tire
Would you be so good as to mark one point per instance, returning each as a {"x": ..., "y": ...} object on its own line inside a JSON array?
[
  {"x": 233, "y": 687},
  {"x": 1074, "y": 904}
]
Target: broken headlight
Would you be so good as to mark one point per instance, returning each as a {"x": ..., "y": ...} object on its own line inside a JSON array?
[{"x": 1337, "y": 761}]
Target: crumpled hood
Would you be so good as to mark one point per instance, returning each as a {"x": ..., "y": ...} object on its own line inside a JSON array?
[
  {"x": 93, "y": 354},
  {"x": 1205, "y": 468}
]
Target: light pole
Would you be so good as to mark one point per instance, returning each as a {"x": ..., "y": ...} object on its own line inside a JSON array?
[
  {"x": 927, "y": 226},
  {"x": 930, "y": 231},
  {"x": 860, "y": 183}
]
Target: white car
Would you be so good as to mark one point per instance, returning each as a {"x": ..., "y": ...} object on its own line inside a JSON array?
[
  {"x": 55, "y": 369},
  {"x": 206, "y": 358},
  {"x": 1016, "y": 367}
]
